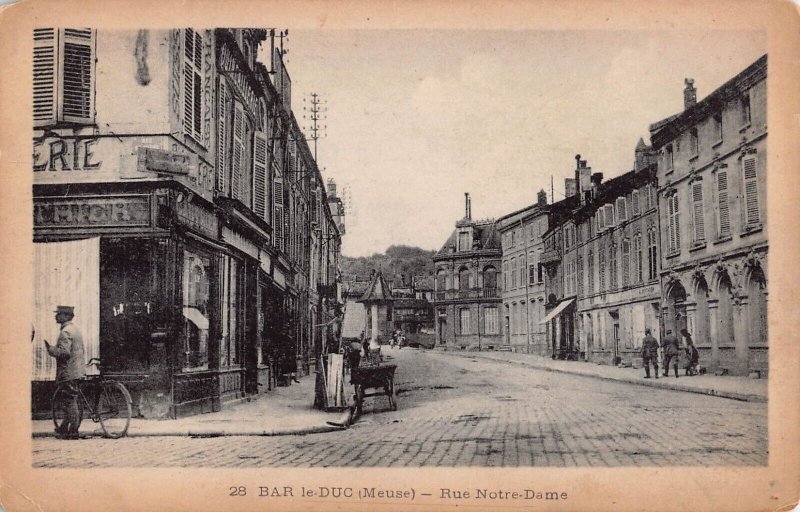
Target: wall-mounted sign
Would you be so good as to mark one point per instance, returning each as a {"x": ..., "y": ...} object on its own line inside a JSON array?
[
  {"x": 58, "y": 154},
  {"x": 197, "y": 218},
  {"x": 91, "y": 211},
  {"x": 158, "y": 160}
]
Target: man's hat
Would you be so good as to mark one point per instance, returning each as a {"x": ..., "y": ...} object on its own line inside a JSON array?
[{"x": 70, "y": 310}]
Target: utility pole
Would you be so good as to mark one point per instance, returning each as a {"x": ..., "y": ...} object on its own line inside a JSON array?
[{"x": 315, "y": 113}]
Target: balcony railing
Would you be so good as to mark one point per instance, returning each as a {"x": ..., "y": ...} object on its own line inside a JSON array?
[{"x": 465, "y": 294}]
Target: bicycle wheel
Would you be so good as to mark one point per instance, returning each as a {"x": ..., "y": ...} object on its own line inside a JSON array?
[
  {"x": 114, "y": 409},
  {"x": 59, "y": 403}
]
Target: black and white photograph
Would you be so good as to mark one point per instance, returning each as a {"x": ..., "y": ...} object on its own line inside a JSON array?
[{"x": 263, "y": 244}]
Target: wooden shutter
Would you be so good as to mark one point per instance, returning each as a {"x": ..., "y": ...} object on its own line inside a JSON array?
[
  {"x": 697, "y": 212},
  {"x": 45, "y": 77},
  {"x": 676, "y": 221},
  {"x": 192, "y": 83},
  {"x": 622, "y": 211},
  {"x": 722, "y": 203},
  {"x": 260, "y": 174},
  {"x": 78, "y": 76},
  {"x": 635, "y": 201},
  {"x": 238, "y": 151},
  {"x": 609, "y": 215},
  {"x": 601, "y": 220},
  {"x": 277, "y": 200},
  {"x": 222, "y": 136},
  {"x": 752, "y": 214},
  {"x": 626, "y": 262}
]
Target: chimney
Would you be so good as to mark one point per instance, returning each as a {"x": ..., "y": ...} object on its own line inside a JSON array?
[
  {"x": 597, "y": 178},
  {"x": 689, "y": 94},
  {"x": 541, "y": 198},
  {"x": 469, "y": 206}
]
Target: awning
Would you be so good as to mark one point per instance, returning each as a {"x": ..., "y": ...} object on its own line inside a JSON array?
[
  {"x": 196, "y": 317},
  {"x": 558, "y": 309}
]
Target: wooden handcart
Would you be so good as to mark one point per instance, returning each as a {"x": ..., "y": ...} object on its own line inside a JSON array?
[{"x": 379, "y": 377}]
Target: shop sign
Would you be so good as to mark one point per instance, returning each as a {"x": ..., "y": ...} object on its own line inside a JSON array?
[
  {"x": 58, "y": 154},
  {"x": 279, "y": 278},
  {"x": 168, "y": 162},
  {"x": 265, "y": 262},
  {"x": 240, "y": 242},
  {"x": 91, "y": 211},
  {"x": 197, "y": 218}
]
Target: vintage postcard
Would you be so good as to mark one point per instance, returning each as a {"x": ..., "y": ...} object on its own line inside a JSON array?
[{"x": 399, "y": 255}]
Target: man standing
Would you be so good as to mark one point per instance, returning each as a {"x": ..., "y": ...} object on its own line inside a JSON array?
[
  {"x": 649, "y": 353},
  {"x": 672, "y": 352},
  {"x": 70, "y": 368}
]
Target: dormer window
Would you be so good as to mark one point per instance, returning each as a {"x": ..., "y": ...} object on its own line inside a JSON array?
[{"x": 464, "y": 241}]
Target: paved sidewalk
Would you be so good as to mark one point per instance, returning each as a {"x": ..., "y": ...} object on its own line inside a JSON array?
[
  {"x": 282, "y": 411},
  {"x": 737, "y": 388}
]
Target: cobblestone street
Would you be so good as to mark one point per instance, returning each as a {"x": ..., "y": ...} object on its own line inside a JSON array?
[{"x": 461, "y": 411}]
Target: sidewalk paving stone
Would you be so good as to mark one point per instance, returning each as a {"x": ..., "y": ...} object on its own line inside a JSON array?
[
  {"x": 737, "y": 388},
  {"x": 282, "y": 411}
]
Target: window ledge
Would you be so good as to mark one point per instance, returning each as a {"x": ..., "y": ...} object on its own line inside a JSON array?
[
  {"x": 716, "y": 144},
  {"x": 744, "y": 128},
  {"x": 697, "y": 246},
  {"x": 669, "y": 171},
  {"x": 750, "y": 229},
  {"x": 723, "y": 239},
  {"x": 694, "y": 157},
  {"x": 672, "y": 254}
]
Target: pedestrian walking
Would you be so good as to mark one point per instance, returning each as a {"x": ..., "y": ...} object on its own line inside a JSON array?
[
  {"x": 649, "y": 353},
  {"x": 692, "y": 355},
  {"x": 70, "y": 368},
  {"x": 672, "y": 352}
]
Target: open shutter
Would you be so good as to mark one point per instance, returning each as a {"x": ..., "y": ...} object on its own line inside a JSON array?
[
  {"x": 238, "y": 151},
  {"x": 222, "y": 136},
  {"x": 609, "y": 215},
  {"x": 722, "y": 199},
  {"x": 635, "y": 202},
  {"x": 601, "y": 220},
  {"x": 676, "y": 221},
  {"x": 78, "y": 75},
  {"x": 192, "y": 83},
  {"x": 260, "y": 174},
  {"x": 752, "y": 214},
  {"x": 44, "y": 75},
  {"x": 278, "y": 202},
  {"x": 697, "y": 212},
  {"x": 671, "y": 216}
]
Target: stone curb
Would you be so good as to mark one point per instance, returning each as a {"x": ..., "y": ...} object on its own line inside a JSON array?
[
  {"x": 653, "y": 383},
  {"x": 341, "y": 424}
]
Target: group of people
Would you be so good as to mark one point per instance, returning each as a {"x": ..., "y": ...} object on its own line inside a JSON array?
[
  {"x": 671, "y": 353},
  {"x": 398, "y": 339}
]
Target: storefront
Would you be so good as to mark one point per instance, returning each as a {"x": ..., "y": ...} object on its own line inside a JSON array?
[{"x": 170, "y": 292}]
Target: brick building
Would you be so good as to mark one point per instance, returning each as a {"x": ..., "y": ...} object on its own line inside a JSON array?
[{"x": 467, "y": 297}]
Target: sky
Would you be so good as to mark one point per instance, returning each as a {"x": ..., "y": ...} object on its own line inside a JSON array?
[{"x": 415, "y": 118}]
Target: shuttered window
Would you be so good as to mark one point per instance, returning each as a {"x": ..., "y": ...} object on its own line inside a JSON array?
[
  {"x": 652, "y": 254},
  {"x": 752, "y": 213},
  {"x": 579, "y": 275},
  {"x": 260, "y": 174},
  {"x": 613, "y": 281},
  {"x": 626, "y": 263},
  {"x": 609, "y": 215},
  {"x": 601, "y": 220},
  {"x": 192, "y": 83},
  {"x": 237, "y": 160},
  {"x": 222, "y": 137},
  {"x": 277, "y": 200},
  {"x": 601, "y": 265},
  {"x": 590, "y": 271},
  {"x": 673, "y": 208},
  {"x": 638, "y": 261},
  {"x": 622, "y": 211},
  {"x": 698, "y": 217},
  {"x": 63, "y": 75},
  {"x": 635, "y": 202},
  {"x": 723, "y": 210}
]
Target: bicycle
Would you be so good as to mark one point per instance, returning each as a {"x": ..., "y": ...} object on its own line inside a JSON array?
[{"x": 110, "y": 405}]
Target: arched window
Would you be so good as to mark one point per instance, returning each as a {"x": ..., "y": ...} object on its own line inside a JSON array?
[{"x": 441, "y": 280}]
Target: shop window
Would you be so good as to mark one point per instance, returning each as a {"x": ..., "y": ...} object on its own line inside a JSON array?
[
  {"x": 63, "y": 76},
  {"x": 196, "y": 286},
  {"x": 230, "y": 313}
]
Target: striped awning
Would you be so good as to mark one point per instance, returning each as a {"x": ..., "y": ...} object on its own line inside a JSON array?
[{"x": 556, "y": 311}]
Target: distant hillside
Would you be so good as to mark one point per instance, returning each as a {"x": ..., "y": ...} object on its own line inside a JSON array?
[{"x": 398, "y": 259}]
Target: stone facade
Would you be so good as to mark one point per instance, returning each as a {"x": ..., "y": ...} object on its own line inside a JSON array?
[
  {"x": 712, "y": 166},
  {"x": 523, "y": 278}
]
